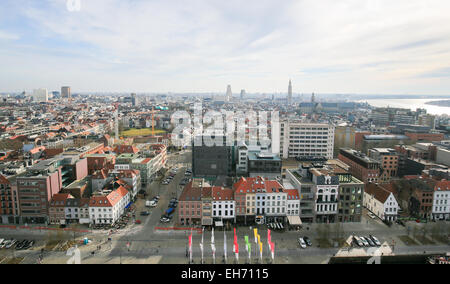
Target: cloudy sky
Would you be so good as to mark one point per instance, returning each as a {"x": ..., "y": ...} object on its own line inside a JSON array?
[{"x": 324, "y": 46}]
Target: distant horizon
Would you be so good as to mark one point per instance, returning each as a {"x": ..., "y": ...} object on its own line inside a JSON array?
[{"x": 237, "y": 94}]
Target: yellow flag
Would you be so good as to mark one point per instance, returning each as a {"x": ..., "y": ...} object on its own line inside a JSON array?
[
  {"x": 256, "y": 233},
  {"x": 260, "y": 247},
  {"x": 259, "y": 238}
]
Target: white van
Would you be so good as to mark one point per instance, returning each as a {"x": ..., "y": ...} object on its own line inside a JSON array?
[{"x": 150, "y": 203}]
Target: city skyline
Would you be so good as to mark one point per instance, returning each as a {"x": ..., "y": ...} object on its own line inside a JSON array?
[{"x": 357, "y": 47}]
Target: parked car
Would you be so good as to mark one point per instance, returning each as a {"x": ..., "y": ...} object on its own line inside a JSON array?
[
  {"x": 21, "y": 244},
  {"x": 369, "y": 240},
  {"x": 365, "y": 242},
  {"x": 164, "y": 220},
  {"x": 145, "y": 213},
  {"x": 11, "y": 244},
  {"x": 302, "y": 243},
  {"x": 375, "y": 240},
  {"x": 28, "y": 245},
  {"x": 2, "y": 243},
  {"x": 358, "y": 241},
  {"x": 151, "y": 203},
  {"x": 307, "y": 241}
]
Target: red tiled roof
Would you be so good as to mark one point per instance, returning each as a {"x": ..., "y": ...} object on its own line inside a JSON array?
[
  {"x": 128, "y": 149},
  {"x": 60, "y": 197},
  {"x": 442, "y": 185},
  {"x": 222, "y": 194},
  {"x": 255, "y": 184},
  {"x": 109, "y": 200},
  {"x": 292, "y": 194},
  {"x": 380, "y": 193}
]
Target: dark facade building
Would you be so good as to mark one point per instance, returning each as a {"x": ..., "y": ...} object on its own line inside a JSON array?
[
  {"x": 264, "y": 165},
  {"x": 211, "y": 161}
]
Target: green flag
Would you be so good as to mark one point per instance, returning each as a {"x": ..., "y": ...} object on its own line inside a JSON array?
[{"x": 246, "y": 239}]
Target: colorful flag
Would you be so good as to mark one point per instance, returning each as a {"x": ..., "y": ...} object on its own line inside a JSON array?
[
  {"x": 190, "y": 246},
  {"x": 255, "y": 231},
  {"x": 246, "y": 243},
  {"x": 272, "y": 249},
  {"x": 260, "y": 249}
]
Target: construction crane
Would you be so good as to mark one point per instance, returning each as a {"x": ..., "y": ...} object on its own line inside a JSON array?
[{"x": 153, "y": 121}]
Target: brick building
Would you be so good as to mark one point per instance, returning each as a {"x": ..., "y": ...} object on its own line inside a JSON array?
[{"x": 362, "y": 167}]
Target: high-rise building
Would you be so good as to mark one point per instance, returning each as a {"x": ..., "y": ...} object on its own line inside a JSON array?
[
  {"x": 290, "y": 93},
  {"x": 229, "y": 95},
  {"x": 40, "y": 95},
  {"x": 292, "y": 139},
  {"x": 65, "y": 92},
  {"x": 134, "y": 99},
  {"x": 242, "y": 94}
]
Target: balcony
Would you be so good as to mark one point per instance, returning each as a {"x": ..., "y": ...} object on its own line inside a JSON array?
[{"x": 327, "y": 202}]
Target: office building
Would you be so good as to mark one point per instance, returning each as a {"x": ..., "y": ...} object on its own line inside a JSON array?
[
  {"x": 65, "y": 93},
  {"x": 40, "y": 95},
  {"x": 292, "y": 139}
]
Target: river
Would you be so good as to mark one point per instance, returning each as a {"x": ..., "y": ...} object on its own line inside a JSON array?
[{"x": 410, "y": 104}]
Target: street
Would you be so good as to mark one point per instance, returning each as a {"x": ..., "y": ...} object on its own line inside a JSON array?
[{"x": 143, "y": 244}]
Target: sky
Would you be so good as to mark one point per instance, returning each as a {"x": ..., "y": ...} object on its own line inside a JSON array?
[{"x": 323, "y": 46}]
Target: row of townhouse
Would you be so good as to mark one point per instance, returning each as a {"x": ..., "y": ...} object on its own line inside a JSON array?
[
  {"x": 149, "y": 163},
  {"x": 105, "y": 207},
  {"x": 249, "y": 200},
  {"x": 328, "y": 193},
  {"x": 429, "y": 196}
]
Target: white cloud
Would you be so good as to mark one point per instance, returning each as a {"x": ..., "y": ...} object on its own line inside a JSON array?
[
  {"x": 203, "y": 45},
  {"x": 8, "y": 36}
]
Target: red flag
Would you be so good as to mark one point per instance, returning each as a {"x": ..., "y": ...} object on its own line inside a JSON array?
[
  {"x": 236, "y": 245},
  {"x": 190, "y": 242},
  {"x": 269, "y": 237}
]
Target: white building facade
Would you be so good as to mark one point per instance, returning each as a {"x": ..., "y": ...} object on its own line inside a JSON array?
[
  {"x": 297, "y": 138},
  {"x": 441, "y": 203}
]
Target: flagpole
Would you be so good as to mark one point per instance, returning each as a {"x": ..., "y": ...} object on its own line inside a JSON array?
[
  {"x": 213, "y": 246},
  {"x": 225, "y": 246},
  {"x": 201, "y": 246}
]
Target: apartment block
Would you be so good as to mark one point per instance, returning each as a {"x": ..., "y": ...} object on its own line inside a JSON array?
[{"x": 300, "y": 139}]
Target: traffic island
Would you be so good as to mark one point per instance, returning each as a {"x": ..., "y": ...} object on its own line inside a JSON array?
[
  {"x": 424, "y": 240},
  {"x": 408, "y": 241}
]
